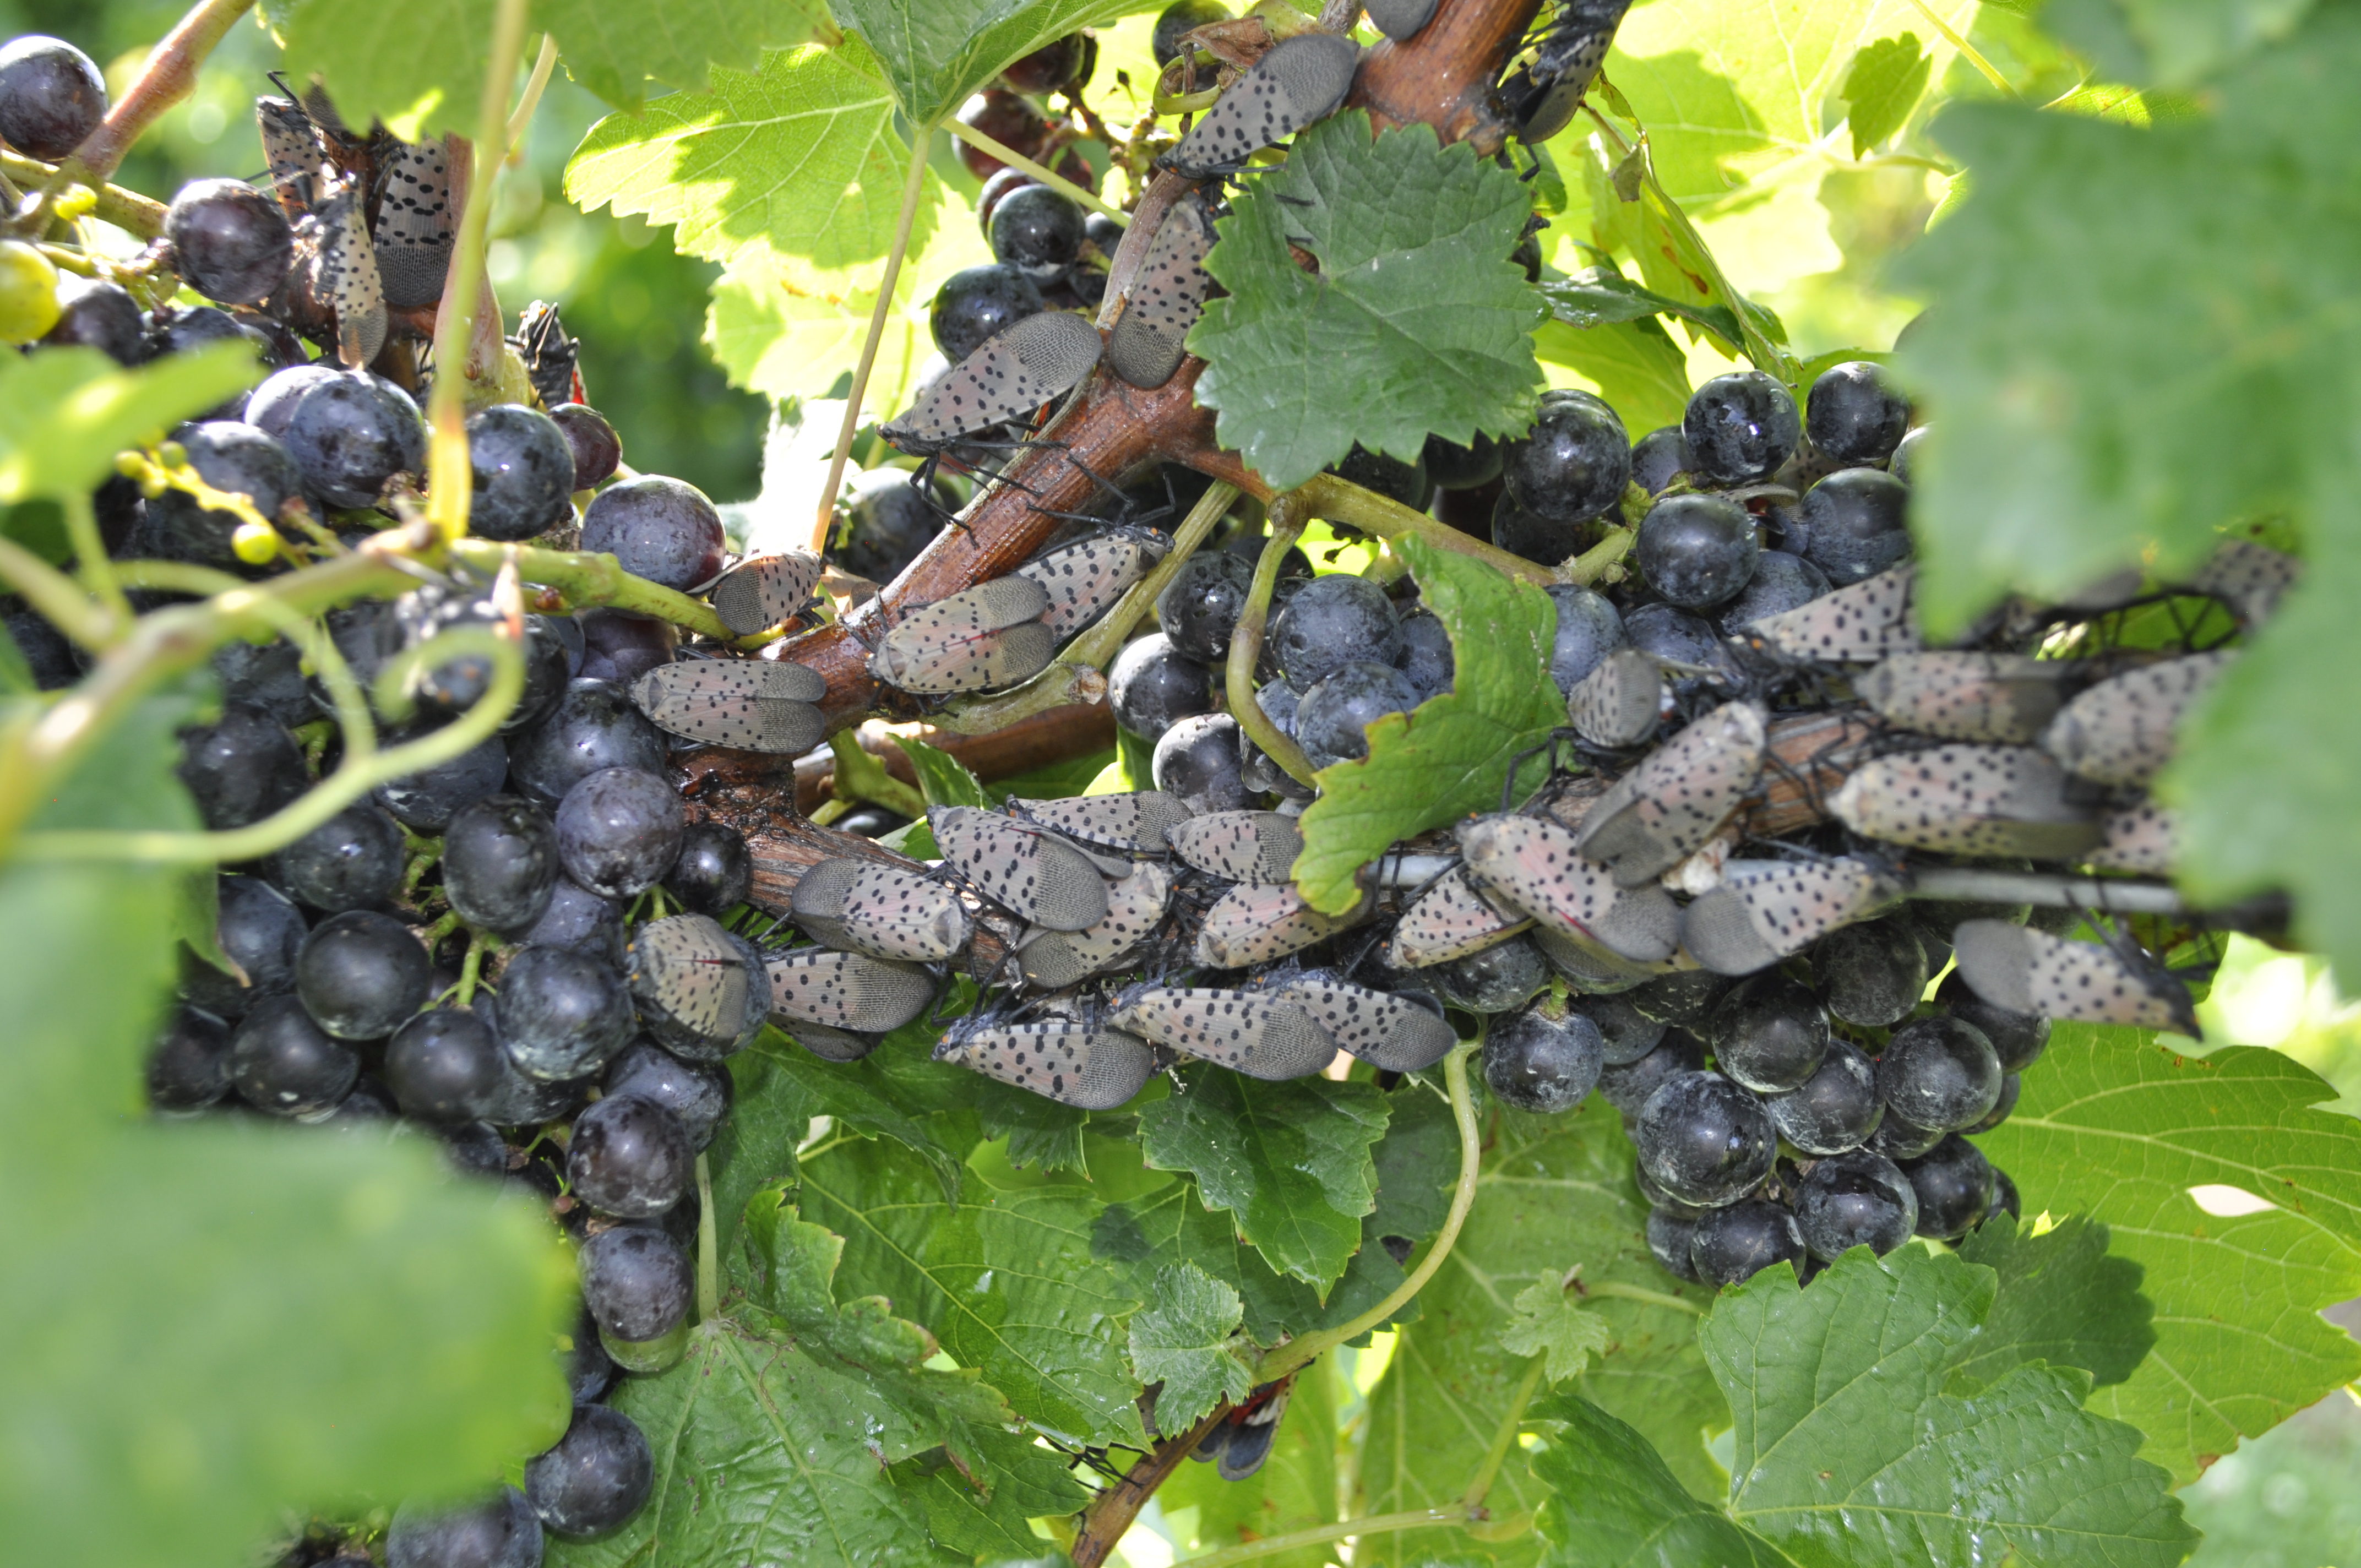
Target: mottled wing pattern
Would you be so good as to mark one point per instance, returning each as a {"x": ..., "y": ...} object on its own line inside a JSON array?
[
  {"x": 2029, "y": 970},
  {"x": 1618, "y": 704},
  {"x": 1992, "y": 800},
  {"x": 1255, "y": 923},
  {"x": 1772, "y": 910},
  {"x": 2142, "y": 838},
  {"x": 1014, "y": 372},
  {"x": 693, "y": 969},
  {"x": 756, "y": 705},
  {"x": 1664, "y": 810},
  {"x": 2121, "y": 730},
  {"x": 1086, "y": 577},
  {"x": 1023, "y": 869},
  {"x": 1258, "y": 1035},
  {"x": 2004, "y": 697},
  {"x": 290, "y": 145},
  {"x": 1299, "y": 82},
  {"x": 1536, "y": 865},
  {"x": 1388, "y": 1032},
  {"x": 758, "y": 594},
  {"x": 1167, "y": 298},
  {"x": 1241, "y": 846},
  {"x": 847, "y": 991},
  {"x": 348, "y": 280},
  {"x": 963, "y": 662},
  {"x": 1400, "y": 20},
  {"x": 890, "y": 913},
  {"x": 1137, "y": 819},
  {"x": 1450, "y": 920},
  {"x": 1858, "y": 624},
  {"x": 2250, "y": 578},
  {"x": 414, "y": 221},
  {"x": 1091, "y": 1067}
]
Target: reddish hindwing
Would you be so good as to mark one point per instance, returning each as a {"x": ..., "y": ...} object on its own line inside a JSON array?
[
  {"x": 1988, "y": 800},
  {"x": 1254, "y": 1034}
]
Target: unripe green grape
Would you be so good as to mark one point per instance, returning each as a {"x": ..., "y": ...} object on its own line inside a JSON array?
[
  {"x": 256, "y": 543},
  {"x": 28, "y": 293}
]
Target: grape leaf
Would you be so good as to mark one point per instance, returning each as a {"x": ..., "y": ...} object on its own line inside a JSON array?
[
  {"x": 1006, "y": 1282},
  {"x": 1416, "y": 321},
  {"x": 1295, "y": 1489},
  {"x": 1883, "y": 87},
  {"x": 866, "y": 1096},
  {"x": 2170, "y": 40},
  {"x": 66, "y": 412},
  {"x": 1026, "y": 1482},
  {"x": 2063, "y": 1300},
  {"x": 1449, "y": 758},
  {"x": 942, "y": 778},
  {"x": 1172, "y": 1226},
  {"x": 1614, "y": 1503},
  {"x": 1599, "y": 295},
  {"x": 1549, "y": 1322},
  {"x": 797, "y": 161},
  {"x": 1183, "y": 1341},
  {"x": 2116, "y": 1127},
  {"x": 1635, "y": 365},
  {"x": 1290, "y": 1160},
  {"x": 1852, "y": 1448},
  {"x": 936, "y": 52},
  {"x": 614, "y": 47},
  {"x": 754, "y": 1147},
  {"x": 419, "y": 66}
]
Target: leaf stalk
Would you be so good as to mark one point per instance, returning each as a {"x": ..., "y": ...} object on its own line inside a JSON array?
[
  {"x": 1042, "y": 171},
  {"x": 1246, "y": 648}
]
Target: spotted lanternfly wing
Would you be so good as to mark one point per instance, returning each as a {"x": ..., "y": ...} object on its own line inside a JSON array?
[
  {"x": 349, "y": 282},
  {"x": 2250, "y": 578},
  {"x": 763, "y": 590},
  {"x": 847, "y": 991},
  {"x": 1643, "y": 926},
  {"x": 2000, "y": 698},
  {"x": 1391, "y": 1033},
  {"x": 1038, "y": 878},
  {"x": 1766, "y": 911},
  {"x": 754, "y": 705},
  {"x": 1166, "y": 299},
  {"x": 1139, "y": 819},
  {"x": 414, "y": 221},
  {"x": 1534, "y": 864},
  {"x": 1257, "y": 923},
  {"x": 2026, "y": 970},
  {"x": 291, "y": 145},
  {"x": 829, "y": 1045},
  {"x": 695, "y": 984},
  {"x": 1016, "y": 371},
  {"x": 1969, "y": 800},
  {"x": 1297, "y": 83},
  {"x": 1086, "y": 577},
  {"x": 1450, "y": 920},
  {"x": 987, "y": 607},
  {"x": 1663, "y": 811},
  {"x": 1400, "y": 19},
  {"x": 988, "y": 635},
  {"x": 2121, "y": 730},
  {"x": 1241, "y": 846},
  {"x": 1619, "y": 703},
  {"x": 1871, "y": 620},
  {"x": 1255, "y": 1035},
  {"x": 869, "y": 906},
  {"x": 2142, "y": 838},
  {"x": 1089, "y": 1065},
  {"x": 1052, "y": 960}
]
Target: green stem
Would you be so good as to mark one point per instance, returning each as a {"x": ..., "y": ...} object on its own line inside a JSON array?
[
  {"x": 1245, "y": 647},
  {"x": 593, "y": 579},
  {"x": 1099, "y": 645},
  {"x": 861, "y": 775},
  {"x": 51, "y": 592},
  {"x": 709, "y": 1247},
  {"x": 1343, "y": 1530},
  {"x": 912, "y": 187},
  {"x": 1341, "y": 500},
  {"x": 1283, "y": 1359},
  {"x": 1503, "y": 1439},
  {"x": 1047, "y": 176},
  {"x": 126, "y": 210},
  {"x": 1642, "y": 1293},
  {"x": 169, "y": 75},
  {"x": 471, "y": 967},
  {"x": 1060, "y": 686},
  {"x": 1952, "y": 35},
  {"x": 537, "y": 83},
  {"x": 1587, "y": 568}
]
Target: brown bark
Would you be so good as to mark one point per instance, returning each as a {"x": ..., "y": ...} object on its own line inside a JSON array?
[
  {"x": 1111, "y": 1511},
  {"x": 1444, "y": 76}
]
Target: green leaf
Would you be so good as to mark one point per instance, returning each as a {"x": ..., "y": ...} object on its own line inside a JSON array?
[
  {"x": 798, "y": 161},
  {"x": 1172, "y": 1227},
  {"x": 1850, "y": 1448},
  {"x": 1290, "y": 1160},
  {"x": 1550, "y": 1323},
  {"x": 754, "y": 1147},
  {"x": 1451, "y": 757},
  {"x": 1599, "y": 295},
  {"x": 936, "y": 52},
  {"x": 1614, "y": 1505},
  {"x": 943, "y": 779},
  {"x": 1295, "y": 1489},
  {"x": 614, "y": 47},
  {"x": 65, "y": 413},
  {"x": 2062, "y": 1300},
  {"x": 1883, "y": 87},
  {"x": 419, "y": 67},
  {"x": 1007, "y": 1282},
  {"x": 1635, "y": 365},
  {"x": 868, "y": 1096},
  {"x": 1052, "y": 781},
  {"x": 2170, "y": 41},
  {"x": 15, "y": 675},
  {"x": 1416, "y": 322},
  {"x": 987, "y": 1519},
  {"x": 2116, "y": 1127},
  {"x": 1183, "y": 1341}
]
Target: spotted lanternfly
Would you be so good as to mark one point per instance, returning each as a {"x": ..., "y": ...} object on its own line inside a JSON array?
[
  {"x": 1450, "y": 920},
  {"x": 1091, "y": 1067},
  {"x": 1542, "y": 96},
  {"x": 1086, "y": 577},
  {"x": 763, "y": 590},
  {"x": 1400, "y": 19},
  {"x": 291, "y": 145},
  {"x": 1254, "y": 1034},
  {"x": 829, "y": 1045},
  {"x": 1618, "y": 704},
  {"x": 1016, "y": 371},
  {"x": 1530, "y": 863},
  {"x": 847, "y": 991},
  {"x": 754, "y": 705},
  {"x": 1663, "y": 811},
  {"x": 2121, "y": 730},
  {"x": 2000, "y": 698},
  {"x": 1138, "y": 819},
  {"x": 1052, "y": 960},
  {"x": 1166, "y": 299},
  {"x": 1034, "y": 875},
  {"x": 2026, "y": 970},
  {"x": 1300, "y": 82},
  {"x": 1237, "y": 1445},
  {"x": 346, "y": 277},
  {"x": 869, "y": 906},
  {"x": 1257, "y": 923},
  {"x": 2250, "y": 578},
  {"x": 553, "y": 361},
  {"x": 1241, "y": 846},
  {"x": 1768, "y": 910},
  {"x": 413, "y": 230},
  {"x": 1871, "y": 619},
  {"x": 988, "y": 635},
  {"x": 2142, "y": 838},
  {"x": 697, "y": 985},
  {"x": 1390, "y": 1033},
  {"x": 1969, "y": 800}
]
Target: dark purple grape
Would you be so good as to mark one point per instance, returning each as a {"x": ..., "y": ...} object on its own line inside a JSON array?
[
  {"x": 1454, "y": 467},
  {"x": 999, "y": 187},
  {"x": 188, "y": 1066},
  {"x": 1738, "y": 1241},
  {"x": 261, "y": 930},
  {"x": 582, "y": 920},
  {"x": 350, "y": 432},
  {"x": 1872, "y": 974},
  {"x": 228, "y": 456},
  {"x": 48, "y": 654},
  {"x": 595, "y": 1479},
  {"x": 241, "y": 767},
  {"x": 1532, "y": 537},
  {"x": 619, "y": 831},
  {"x": 445, "y": 1066},
  {"x": 1954, "y": 1183},
  {"x": 589, "y": 1370},
  {"x": 594, "y": 725},
  {"x": 266, "y": 676},
  {"x": 1670, "y": 1236},
  {"x": 2017, "y": 1038},
  {"x": 2010, "y": 1085},
  {"x": 1038, "y": 231},
  {"x": 1834, "y": 1110},
  {"x": 282, "y": 1062},
  {"x": 1152, "y": 686},
  {"x": 1332, "y": 722},
  {"x": 1540, "y": 1065},
  {"x": 1706, "y": 1140},
  {"x": 94, "y": 313},
  {"x": 51, "y": 97},
  {"x": 1906, "y": 454},
  {"x": 1739, "y": 428},
  {"x": 230, "y": 242},
  {"x": 597, "y": 449},
  {"x": 1574, "y": 461},
  {"x": 698, "y": 1093},
  {"x": 886, "y": 523},
  {"x": 499, "y": 1534},
  {"x": 1939, "y": 1073},
  {"x": 286, "y": 350},
  {"x": 1387, "y": 476},
  {"x": 1199, "y": 607},
  {"x": 1426, "y": 660},
  {"x": 1331, "y": 622},
  {"x": 1898, "y": 1140},
  {"x": 501, "y": 863},
  {"x": 522, "y": 1101},
  {"x": 659, "y": 529},
  {"x": 1684, "y": 997},
  {"x": 1781, "y": 582},
  {"x": 620, "y": 647},
  {"x": 1857, "y": 523},
  {"x": 1588, "y": 630},
  {"x": 1062, "y": 65},
  {"x": 1278, "y": 704},
  {"x": 629, "y": 1157},
  {"x": 451, "y": 688},
  {"x": 522, "y": 473},
  {"x": 1628, "y": 1085},
  {"x": 562, "y": 1014},
  {"x": 1197, "y": 761},
  {"x": 367, "y": 634},
  {"x": 272, "y": 407},
  {"x": 1855, "y": 1199},
  {"x": 1625, "y": 1036},
  {"x": 1696, "y": 550},
  {"x": 1854, "y": 414},
  {"x": 2004, "y": 1198},
  {"x": 353, "y": 860},
  {"x": 979, "y": 302},
  {"x": 425, "y": 801},
  {"x": 1182, "y": 18},
  {"x": 1768, "y": 1033},
  {"x": 1659, "y": 457},
  {"x": 636, "y": 1284},
  {"x": 361, "y": 973},
  {"x": 1677, "y": 636},
  {"x": 1657, "y": 1197},
  {"x": 714, "y": 872},
  {"x": 1501, "y": 978}
]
